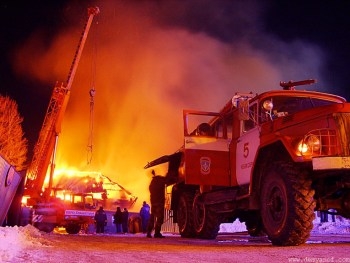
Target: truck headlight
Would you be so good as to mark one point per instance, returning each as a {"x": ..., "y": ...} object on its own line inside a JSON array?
[{"x": 310, "y": 145}]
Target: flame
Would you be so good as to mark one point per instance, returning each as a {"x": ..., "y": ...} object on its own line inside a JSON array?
[{"x": 105, "y": 192}]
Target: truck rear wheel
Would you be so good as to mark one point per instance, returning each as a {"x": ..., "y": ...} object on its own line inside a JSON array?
[
  {"x": 185, "y": 215},
  {"x": 287, "y": 205},
  {"x": 205, "y": 222}
]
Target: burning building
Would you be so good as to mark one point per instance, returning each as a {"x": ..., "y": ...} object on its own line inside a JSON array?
[{"x": 106, "y": 192}]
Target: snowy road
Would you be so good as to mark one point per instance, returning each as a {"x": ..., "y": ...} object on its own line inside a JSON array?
[{"x": 137, "y": 248}]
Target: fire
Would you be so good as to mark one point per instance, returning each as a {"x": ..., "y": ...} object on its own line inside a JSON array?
[{"x": 105, "y": 191}]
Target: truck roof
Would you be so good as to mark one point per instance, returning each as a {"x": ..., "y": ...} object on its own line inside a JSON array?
[{"x": 302, "y": 93}]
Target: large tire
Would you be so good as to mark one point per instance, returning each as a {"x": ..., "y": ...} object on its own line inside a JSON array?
[
  {"x": 73, "y": 228},
  {"x": 205, "y": 221},
  {"x": 287, "y": 205},
  {"x": 44, "y": 227},
  {"x": 185, "y": 216}
]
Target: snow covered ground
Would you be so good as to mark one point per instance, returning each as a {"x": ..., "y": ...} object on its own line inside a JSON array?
[{"x": 15, "y": 240}]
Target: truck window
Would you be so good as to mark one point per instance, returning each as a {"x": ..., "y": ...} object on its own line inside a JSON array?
[
  {"x": 89, "y": 201},
  {"x": 252, "y": 121},
  {"x": 291, "y": 105},
  {"x": 286, "y": 105},
  {"x": 223, "y": 127},
  {"x": 198, "y": 124}
]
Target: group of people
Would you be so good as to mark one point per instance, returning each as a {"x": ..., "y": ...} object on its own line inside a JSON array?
[
  {"x": 120, "y": 219},
  {"x": 324, "y": 215},
  {"x": 152, "y": 217}
]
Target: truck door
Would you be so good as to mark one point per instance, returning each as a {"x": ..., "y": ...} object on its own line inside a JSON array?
[
  {"x": 247, "y": 146},
  {"x": 206, "y": 149}
]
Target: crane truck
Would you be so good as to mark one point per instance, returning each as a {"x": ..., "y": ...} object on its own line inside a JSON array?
[
  {"x": 48, "y": 211},
  {"x": 269, "y": 160}
]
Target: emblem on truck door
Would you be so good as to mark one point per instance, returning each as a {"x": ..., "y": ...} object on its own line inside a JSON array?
[{"x": 205, "y": 165}]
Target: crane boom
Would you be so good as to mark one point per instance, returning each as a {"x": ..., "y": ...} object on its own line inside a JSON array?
[{"x": 45, "y": 148}]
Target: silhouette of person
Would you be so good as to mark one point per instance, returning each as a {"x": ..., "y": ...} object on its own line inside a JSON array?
[
  {"x": 125, "y": 218},
  {"x": 324, "y": 216},
  {"x": 100, "y": 220},
  {"x": 118, "y": 220},
  {"x": 145, "y": 214},
  {"x": 157, "y": 196}
]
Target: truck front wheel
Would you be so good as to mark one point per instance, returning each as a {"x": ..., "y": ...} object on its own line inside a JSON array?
[{"x": 287, "y": 205}]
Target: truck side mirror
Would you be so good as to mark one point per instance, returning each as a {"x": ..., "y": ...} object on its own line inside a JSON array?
[{"x": 268, "y": 106}]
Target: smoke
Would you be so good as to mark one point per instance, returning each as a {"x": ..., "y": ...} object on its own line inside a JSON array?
[{"x": 152, "y": 60}]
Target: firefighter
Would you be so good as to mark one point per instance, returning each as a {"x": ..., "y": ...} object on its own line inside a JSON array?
[
  {"x": 100, "y": 220},
  {"x": 157, "y": 197}
]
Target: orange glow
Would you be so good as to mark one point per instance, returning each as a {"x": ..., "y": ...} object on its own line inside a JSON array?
[
  {"x": 145, "y": 76},
  {"x": 68, "y": 182},
  {"x": 63, "y": 195},
  {"x": 24, "y": 200}
]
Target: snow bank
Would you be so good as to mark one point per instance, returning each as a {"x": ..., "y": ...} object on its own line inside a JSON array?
[
  {"x": 14, "y": 239},
  {"x": 232, "y": 227},
  {"x": 340, "y": 226}
]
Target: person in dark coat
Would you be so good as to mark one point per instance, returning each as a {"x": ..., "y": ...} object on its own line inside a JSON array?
[
  {"x": 100, "y": 220},
  {"x": 125, "y": 218},
  {"x": 157, "y": 196},
  {"x": 145, "y": 213},
  {"x": 118, "y": 220}
]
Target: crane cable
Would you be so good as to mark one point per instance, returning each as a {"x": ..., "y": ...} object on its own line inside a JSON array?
[
  {"x": 92, "y": 93},
  {"x": 91, "y": 126}
]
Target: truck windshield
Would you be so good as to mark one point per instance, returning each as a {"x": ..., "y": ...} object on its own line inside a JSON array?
[{"x": 290, "y": 105}]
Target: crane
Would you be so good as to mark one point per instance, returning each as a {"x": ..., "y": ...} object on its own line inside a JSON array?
[
  {"x": 45, "y": 148},
  {"x": 47, "y": 214}
]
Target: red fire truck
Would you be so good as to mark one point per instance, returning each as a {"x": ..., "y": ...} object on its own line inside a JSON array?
[{"x": 270, "y": 160}]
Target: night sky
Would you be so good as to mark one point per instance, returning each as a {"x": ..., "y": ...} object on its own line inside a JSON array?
[{"x": 323, "y": 25}]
